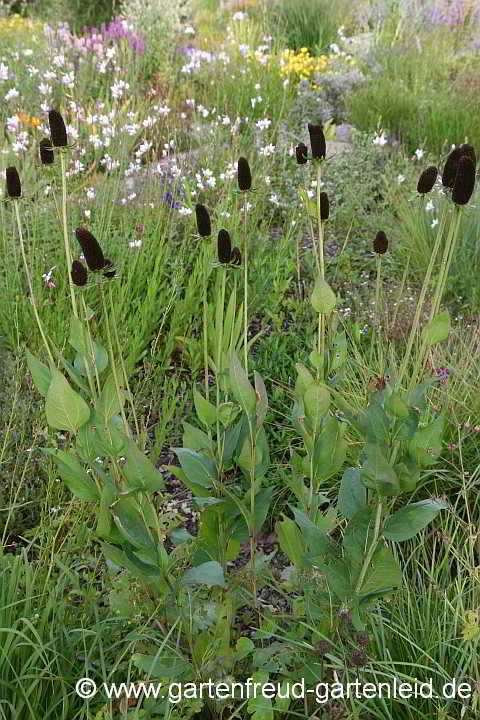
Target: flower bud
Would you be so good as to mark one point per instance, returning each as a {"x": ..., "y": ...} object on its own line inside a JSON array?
[
  {"x": 91, "y": 249},
  {"x": 204, "y": 226},
  {"x": 224, "y": 247},
  {"x": 317, "y": 141},
  {"x": 380, "y": 244},
  {"x": 427, "y": 180},
  {"x": 450, "y": 168},
  {"x": 14, "y": 186},
  {"x": 469, "y": 151},
  {"x": 46, "y": 152},
  {"x": 324, "y": 206},
  {"x": 58, "y": 131},
  {"x": 79, "y": 273},
  {"x": 464, "y": 181},
  {"x": 244, "y": 176},
  {"x": 301, "y": 151}
]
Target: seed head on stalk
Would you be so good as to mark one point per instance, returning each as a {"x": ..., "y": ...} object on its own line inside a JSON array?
[
  {"x": 13, "y": 184},
  {"x": 91, "y": 249},
  {"x": 317, "y": 141},
  {"x": 380, "y": 244},
  {"x": 58, "y": 131},
  {"x": 427, "y": 180},
  {"x": 244, "y": 176}
]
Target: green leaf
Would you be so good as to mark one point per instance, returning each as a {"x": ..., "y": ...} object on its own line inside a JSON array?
[
  {"x": 206, "y": 412},
  {"x": 260, "y": 707},
  {"x": 338, "y": 579},
  {"x": 377, "y": 473},
  {"x": 384, "y": 572},
  {"x": 316, "y": 537},
  {"x": 242, "y": 390},
  {"x": 405, "y": 523},
  {"x": 100, "y": 360},
  {"x": 304, "y": 379},
  {"x": 74, "y": 475},
  {"x": 310, "y": 205},
  {"x": 208, "y": 573},
  {"x": 162, "y": 665},
  {"x": 41, "y": 374},
  {"x": 437, "y": 329},
  {"x": 243, "y": 648},
  {"x": 195, "y": 439},
  {"x": 425, "y": 446},
  {"x": 352, "y": 495},
  {"x": 139, "y": 469},
  {"x": 262, "y": 399},
  {"x": 227, "y": 412},
  {"x": 109, "y": 403},
  {"x": 199, "y": 468},
  {"x": 323, "y": 298},
  {"x": 316, "y": 401},
  {"x": 290, "y": 541},
  {"x": 329, "y": 449},
  {"x": 65, "y": 409},
  {"x": 131, "y": 524}
]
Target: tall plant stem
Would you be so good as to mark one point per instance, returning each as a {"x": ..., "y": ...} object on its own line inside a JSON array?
[
  {"x": 377, "y": 329},
  {"x": 112, "y": 361},
  {"x": 205, "y": 324},
  {"x": 321, "y": 260},
  {"x": 371, "y": 549},
  {"x": 245, "y": 285},
  {"x": 253, "y": 529},
  {"x": 65, "y": 232},
  {"x": 223, "y": 270},
  {"x": 421, "y": 299},
  {"x": 122, "y": 363},
  {"x": 90, "y": 360},
  {"x": 30, "y": 285}
]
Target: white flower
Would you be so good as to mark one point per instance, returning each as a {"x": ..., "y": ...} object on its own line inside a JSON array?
[
  {"x": 429, "y": 206},
  {"x": 267, "y": 179},
  {"x": 400, "y": 179},
  {"x": 267, "y": 150},
  {"x": 239, "y": 16},
  {"x": 87, "y": 213},
  {"x": 90, "y": 193},
  {"x": 49, "y": 75},
  {"x": 135, "y": 244},
  {"x": 44, "y": 89},
  {"x": 3, "y": 72},
  {"x": 68, "y": 79},
  {"x": 28, "y": 52},
  {"x": 263, "y": 124},
  {"x": 243, "y": 49},
  {"x": 274, "y": 199},
  {"x": 59, "y": 60},
  {"x": 11, "y": 94},
  {"x": 380, "y": 140},
  {"x": 434, "y": 223},
  {"x": 225, "y": 214},
  {"x": 118, "y": 89},
  {"x": 110, "y": 53},
  {"x": 419, "y": 153},
  {"x": 286, "y": 82},
  {"x": 189, "y": 30},
  {"x": 184, "y": 211}
]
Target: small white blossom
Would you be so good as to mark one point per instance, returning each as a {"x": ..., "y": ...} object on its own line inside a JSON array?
[
  {"x": 400, "y": 179},
  {"x": 434, "y": 223},
  {"x": 11, "y": 94},
  {"x": 419, "y": 153},
  {"x": 263, "y": 124},
  {"x": 380, "y": 140},
  {"x": 184, "y": 211},
  {"x": 429, "y": 206}
]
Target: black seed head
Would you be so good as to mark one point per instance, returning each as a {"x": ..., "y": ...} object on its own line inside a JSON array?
[
  {"x": 324, "y": 206},
  {"x": 203, "y": 220},
  {"x": 427, "y": 180},
  {"x": 244, "y": 176},
  {"x": 380, "y": 244},
  {"x": 236, "y": 257},
  {"x": 79, "y": 273},
  {"x": 58, "y": 131},
  {"x": 358, "y": 658},
  {"x": 469, "y": 151},
  {"x": 46, "y": 152},
  {"x": 91, "y": 249},
  {"x": 450, "y": 168},
  {"x": 464, "y": 181},
  {"x": 362, "y": 638},
  {"x": 301, "y": 151},
  {"x": 111, "y": 272},
  {"x": 14, "y": 186},
  {"x": 317, "y": 141},
  {"x": 224, "y": 247}
]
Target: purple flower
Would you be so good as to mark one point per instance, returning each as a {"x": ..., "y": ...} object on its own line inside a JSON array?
[{"x": 168, "y": 198}]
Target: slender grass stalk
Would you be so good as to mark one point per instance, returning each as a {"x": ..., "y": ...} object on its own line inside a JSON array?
[
  {"x": 90, "y": 362},
  {"x": 30, "y": 285},
  {"x": 321, "y": 260},
  {"x": 376, "y": 336},
  {"x": 112, "y": 360},
  {"x": 245, "y": 285},
  {"x": 371, "y": 550},
  {"x": 65, "y": 232},
  {"x": 205, "y": 322}
]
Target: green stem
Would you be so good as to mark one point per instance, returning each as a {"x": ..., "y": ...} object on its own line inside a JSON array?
[
  {"x": 371, "y": 549},
  {"x": 90, "y": 361},
  {"x": 205, "y": 325},
  {"x": 112, "y": 361},
  {"x": 30, "y": 285},
  {"x": 65, "y": 233},
  {"x": 320, "y": 226},
  {"x": 245, "y": 283}
]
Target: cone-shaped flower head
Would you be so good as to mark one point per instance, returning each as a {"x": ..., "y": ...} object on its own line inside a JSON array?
[
  {"x": 380, "y": 244},
  {"x": 46, "y": 152},
  {"x": 244, "y": 176},
  {"x": 58, "y": 131},
  {"x": 317, "y": 141},
  {"x": 91, "y": 249},
  {"x": 450, "y": 168},
  {"x": 469, "y": 151},
  {"x": 301, "y": 151},
  {"x": 324, "y": 206},
  {"x": 79, "y": 273},
  {"x": 427, "y": 180},
  {"x": 464, "y": 181},
  {"x": 14, "y": 186},
  {"x": 236, "y": 257},
  {"x": 224, "y": 247},
  {"x": 203, "y": 220}
]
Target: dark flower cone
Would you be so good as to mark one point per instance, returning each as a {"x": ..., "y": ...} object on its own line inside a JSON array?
[
  {"x": 380, "y": 244},
  {"x": 236, "y": 257},
  {"x": 301, "y": 151},
  {"x": 79, "y": 273},
  {"x": 46, "y": 152},
  {"x": 91, "y": 249},
  {"x": 317, "y": 141},
  {"x": 450, "y": 168},
  {"x": 203, "y": 220},
  {"x": 58, "y": 131},
  {"x": 464, "y": 181},
  {"x": 224, "y": 247},
  {"x": 111, "y": 272},
  {"x": 244, "y": 175},
  {"x": 469, "y": 151},
  {"x": 324, "y": 206},
  {"x": 14, "y": 186},
  {"x": 427, "y": 180}
]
